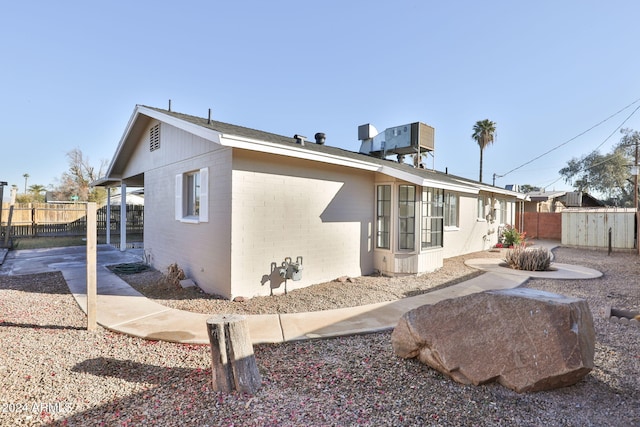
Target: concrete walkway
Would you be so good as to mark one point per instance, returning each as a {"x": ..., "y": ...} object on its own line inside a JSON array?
[{"x": 123, "y": 309}]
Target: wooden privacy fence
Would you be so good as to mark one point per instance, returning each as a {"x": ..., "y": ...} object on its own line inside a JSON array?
[
  {"x": 593, "y": 227},
  {"x": 57, "y": 220}
]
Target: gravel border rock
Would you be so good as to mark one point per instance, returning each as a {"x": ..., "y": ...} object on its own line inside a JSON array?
[
  {"x": 323, "y": 296},
  {"x": 52, "y": 371}
]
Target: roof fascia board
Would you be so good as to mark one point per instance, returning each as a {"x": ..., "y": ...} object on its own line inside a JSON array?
[
  {"x": 234, "y": 141},
  {"x": 414, "y": 179},
  {"x": 123, "y": 138},
  {"x": 503, "y": 191},
  {"x": 208, "y": 134},
  {"x": 293, "y": 151}
]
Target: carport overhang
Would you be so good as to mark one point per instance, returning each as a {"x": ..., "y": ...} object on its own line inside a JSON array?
[{"x": 109, "y": 183}]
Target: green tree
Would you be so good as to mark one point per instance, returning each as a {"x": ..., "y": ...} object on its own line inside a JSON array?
[
  {"x": 527, "y": 188},
  {"x": 606, "y": 174},
  {"x": 484, "y": 134},
  {"x": 34, "y": 194},
  {"x": 36, "y": 191}
]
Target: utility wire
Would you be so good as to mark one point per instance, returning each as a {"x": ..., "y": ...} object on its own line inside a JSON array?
[
  {"x": 602, "y": 143},
  {"x": 606, "y": 139},
  {"x": 579, "y": 135},
  {"x": 616, "y": 129}
]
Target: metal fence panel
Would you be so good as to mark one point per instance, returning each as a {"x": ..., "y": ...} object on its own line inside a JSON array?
[{"x": 57, "y": 220}]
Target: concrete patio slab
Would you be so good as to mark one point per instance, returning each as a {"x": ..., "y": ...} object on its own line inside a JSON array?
[{"x": 557, "y": 271}]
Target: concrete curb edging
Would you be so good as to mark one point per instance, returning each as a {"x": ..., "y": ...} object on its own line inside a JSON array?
[{"x": 123, "y": 309}]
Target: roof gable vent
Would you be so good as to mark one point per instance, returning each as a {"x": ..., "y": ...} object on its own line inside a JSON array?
[{"x": 154, "y": 138}]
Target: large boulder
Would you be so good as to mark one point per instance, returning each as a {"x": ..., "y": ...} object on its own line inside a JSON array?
[{"x": 527, "y": 340}]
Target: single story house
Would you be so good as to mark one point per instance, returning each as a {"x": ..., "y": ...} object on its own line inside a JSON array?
[
  {"x": 556, "y": 201},
  {"x": 135, "y": 197},
  {"x": 246, "y": 213}
]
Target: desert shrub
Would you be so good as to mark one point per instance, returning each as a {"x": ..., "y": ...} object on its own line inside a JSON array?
[
  {"x": 511, "y": 236},
  {"x": 533, "y": 259},
  {"x": 175, "y": 274}
]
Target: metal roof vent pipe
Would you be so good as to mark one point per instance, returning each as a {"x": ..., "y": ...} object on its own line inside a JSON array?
[
  {"x": 299, "y": 139},
  {"x": 320, "y": 138}
]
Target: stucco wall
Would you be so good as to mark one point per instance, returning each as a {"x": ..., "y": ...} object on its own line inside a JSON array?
[
  {"x": 472, "y": 234},
  {"x": 298, "y": 208}
]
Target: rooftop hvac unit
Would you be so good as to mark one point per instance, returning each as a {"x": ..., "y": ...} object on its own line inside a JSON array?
[{"x": 405, "y": 139}]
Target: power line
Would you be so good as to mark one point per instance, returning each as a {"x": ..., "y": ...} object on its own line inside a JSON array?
[
  {"x": 579, "y": 135},
  {"x": 616, "y": 129},
  {"x": 607, "y": 159}
]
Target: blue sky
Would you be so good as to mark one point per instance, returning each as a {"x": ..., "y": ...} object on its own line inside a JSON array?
[{"x": 72, "y": 72}]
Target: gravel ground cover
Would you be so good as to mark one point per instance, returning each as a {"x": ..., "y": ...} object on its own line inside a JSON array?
[
  {"x": 323, "y": 296},
  {"x": 54, "y": 372}
]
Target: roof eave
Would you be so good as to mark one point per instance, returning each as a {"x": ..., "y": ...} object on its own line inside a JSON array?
[
  {"x": 244, "y": 143},
  {"x": 425, "y": 182},
  {"x": 203, "y": 132}
]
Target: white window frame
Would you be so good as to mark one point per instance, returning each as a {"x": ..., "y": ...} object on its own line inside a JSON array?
[
  {"x": 432, "y": 220},
  {"x": 449, "y": 212},
  {"x": 384, "y": 197},
  {"x": 407, "y": 217},
  {"x": 501, "y": 211},
  {"x": 484, "y": 207},
  {"x": 186, "y": 196},
  {"x": 192, "y": 193}
]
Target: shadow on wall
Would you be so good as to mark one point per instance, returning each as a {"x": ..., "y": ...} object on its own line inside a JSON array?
[
  {"x": 274, "y": 278},
  {"x": 350, "y": 204}
]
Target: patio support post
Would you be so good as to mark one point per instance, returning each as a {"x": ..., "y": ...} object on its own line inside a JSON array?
[
  {"x": 635, "y": 196},
  {"x": 108, "y": 220},
  {"x": 7, "y": 230},
  {"x": 92, "y": 286},
  {"x": 123, "y": 216},
  {"x": 2, "y": 184}
]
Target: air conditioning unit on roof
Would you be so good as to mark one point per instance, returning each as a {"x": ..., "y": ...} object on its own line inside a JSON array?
[{"x": 405, "y": 139}]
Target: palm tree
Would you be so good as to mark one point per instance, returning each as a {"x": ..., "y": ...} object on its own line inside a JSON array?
[
  {"x": 483, "y": 133},
  {"x": 26, "y": 177},
  {"x": 36, "y": 190}
]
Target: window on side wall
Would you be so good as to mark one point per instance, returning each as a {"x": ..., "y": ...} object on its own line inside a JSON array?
[
  {"x": 432, "y": 217},
  {"x": 407, "y": 217},
  {"x": 501, "y": 211},
  {"x": 450, "y": 209},
  {"x": 191, "y": 194},
  {"x": 481, "y": 214},
  {"x": 383, "y": 216}
]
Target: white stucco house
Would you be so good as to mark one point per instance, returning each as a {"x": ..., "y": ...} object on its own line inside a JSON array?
[{"x": 238, "y": 208}]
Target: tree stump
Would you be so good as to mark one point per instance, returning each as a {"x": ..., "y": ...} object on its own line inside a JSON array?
[{"x": 233, "y": 362}]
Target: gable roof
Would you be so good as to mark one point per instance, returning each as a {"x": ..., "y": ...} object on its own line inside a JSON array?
[
  {"x": 569, "y": 198},
  {"x": 240, "y": 137},
  {"x": 543, "y": 196}
]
